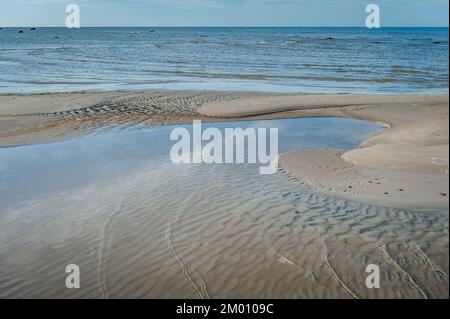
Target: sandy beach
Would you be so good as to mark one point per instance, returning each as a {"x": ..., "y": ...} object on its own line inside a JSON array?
[
  {"x": 406, "y": 166},
  {"x": 140, "y": 226}
]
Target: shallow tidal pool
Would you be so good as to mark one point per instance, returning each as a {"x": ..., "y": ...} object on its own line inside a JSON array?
[{"x": 139, "y": 226}]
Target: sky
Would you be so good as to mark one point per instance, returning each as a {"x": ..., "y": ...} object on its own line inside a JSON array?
[{"x": 321, "y": 13}]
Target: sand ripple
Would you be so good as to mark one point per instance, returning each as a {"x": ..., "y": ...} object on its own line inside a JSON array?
[{"x": 266, "y": 237}]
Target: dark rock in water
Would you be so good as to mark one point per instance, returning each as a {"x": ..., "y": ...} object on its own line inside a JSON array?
[
  {"x": 32, "y": 29},
  {"x": 20, "y": 31},
  {"x": 436, "y": 42}
]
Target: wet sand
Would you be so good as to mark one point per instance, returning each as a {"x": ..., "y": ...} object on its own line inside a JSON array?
[
  {"x": 185, "y": 237},
  {"x": 406, "y": 166},
  {"x": 141, "y": 227},
  {"x": 37, "y": 118}
]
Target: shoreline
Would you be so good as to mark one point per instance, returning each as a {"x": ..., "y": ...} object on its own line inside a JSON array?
[{"x": 405, "y": 166}]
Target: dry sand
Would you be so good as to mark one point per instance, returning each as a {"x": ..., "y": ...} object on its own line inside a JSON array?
[{"x": 406, "y": 166}]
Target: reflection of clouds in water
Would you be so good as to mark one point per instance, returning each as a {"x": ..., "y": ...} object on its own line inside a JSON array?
[{"x": 58, "y": 199}]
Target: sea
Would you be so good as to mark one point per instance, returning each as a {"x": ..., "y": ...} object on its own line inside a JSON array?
[{"x": 293, "y": 60}]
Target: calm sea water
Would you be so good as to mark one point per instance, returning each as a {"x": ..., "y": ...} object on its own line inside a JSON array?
[{"x": 349, "y": 60}]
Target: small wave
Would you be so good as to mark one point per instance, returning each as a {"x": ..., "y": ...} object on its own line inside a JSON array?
[
  {"x": 9, "y": 62},
  {"x": 177, "y": 62},
  {"x": 225, "y": 75},
  {"x": 59, "y": 82},
  {"x": 270, "y": 77},
  {"x": 46, "y": 49}
]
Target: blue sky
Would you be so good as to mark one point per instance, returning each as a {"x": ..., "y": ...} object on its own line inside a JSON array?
[{"x": 224, "y": 12}]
